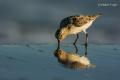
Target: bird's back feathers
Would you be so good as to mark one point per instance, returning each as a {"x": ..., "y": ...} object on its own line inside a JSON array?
[{"x": 77, "y": 20}]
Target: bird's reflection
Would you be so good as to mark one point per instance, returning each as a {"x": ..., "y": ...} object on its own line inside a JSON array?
[{"x": 72, "y": 59}]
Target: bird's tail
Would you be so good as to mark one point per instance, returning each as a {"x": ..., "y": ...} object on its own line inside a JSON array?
[
  {"x": 98, "y": 14},
  {"x": 95, "y": 16}
]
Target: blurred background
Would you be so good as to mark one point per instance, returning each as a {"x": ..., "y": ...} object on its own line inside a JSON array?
[{"x": 35, "y": 21}]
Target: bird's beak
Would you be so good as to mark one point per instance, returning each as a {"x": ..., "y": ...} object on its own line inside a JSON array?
[
  {"x": 58, "y": 43},
  {"x": 61, "y": 40}
]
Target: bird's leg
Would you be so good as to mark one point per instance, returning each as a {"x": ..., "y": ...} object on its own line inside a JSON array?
[
  {"x": 86, "y": 43},
  {"x": 86, "y": 39},
  {"x": 76, "y": 39},
  {"x": 85, "y": 50},
  {"x": 76, "y": 49}
]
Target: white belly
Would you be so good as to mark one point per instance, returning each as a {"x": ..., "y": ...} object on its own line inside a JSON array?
[
  {"x": 76, "y": 58},
  {"x": 75, "y": 30}
]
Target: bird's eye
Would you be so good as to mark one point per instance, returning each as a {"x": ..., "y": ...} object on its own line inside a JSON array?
[{"x": 69, "y": 27}]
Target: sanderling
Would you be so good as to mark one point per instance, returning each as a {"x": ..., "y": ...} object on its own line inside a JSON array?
[{"x": 74, "y": 25}]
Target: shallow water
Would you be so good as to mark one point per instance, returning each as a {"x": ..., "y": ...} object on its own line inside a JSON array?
[{"x": 37, "y": 62}]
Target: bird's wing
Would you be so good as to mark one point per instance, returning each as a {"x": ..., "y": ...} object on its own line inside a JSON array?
[
  {"x": 79, "y": 21},
  {"x": 66, "y": 22}
]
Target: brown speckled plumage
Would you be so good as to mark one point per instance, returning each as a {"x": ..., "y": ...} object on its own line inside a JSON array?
[{"x": 77, "y": 20}]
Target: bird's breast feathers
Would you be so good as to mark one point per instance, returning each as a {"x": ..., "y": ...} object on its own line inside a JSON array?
[{"x": 75, "y": 30}]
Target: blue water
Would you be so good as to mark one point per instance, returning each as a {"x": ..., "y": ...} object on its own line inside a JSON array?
[{"x": 37, "y": 62}]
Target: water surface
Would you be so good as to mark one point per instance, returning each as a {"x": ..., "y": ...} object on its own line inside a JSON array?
[{"x": 37, "y": 62}]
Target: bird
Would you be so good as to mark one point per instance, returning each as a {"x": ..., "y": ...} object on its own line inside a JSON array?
[
  {"x": 74, "y": 25},
  {"x": 72, "y": 60}
]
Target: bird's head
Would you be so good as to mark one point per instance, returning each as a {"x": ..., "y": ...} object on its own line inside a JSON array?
[
  {"x": 61, "y": 55},
  {"x": 61, "y": 34}
]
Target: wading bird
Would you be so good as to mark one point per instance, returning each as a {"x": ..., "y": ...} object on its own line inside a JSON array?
[
  {"x": 74, "y": 25},
  {"x": 73, "y": 60}
]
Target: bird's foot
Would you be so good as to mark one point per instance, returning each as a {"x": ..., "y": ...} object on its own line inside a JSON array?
[
  {"x": 86, "y": 54},
  {"x": 74, "y": 43},
  {"x": 85, "y": 44}
]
